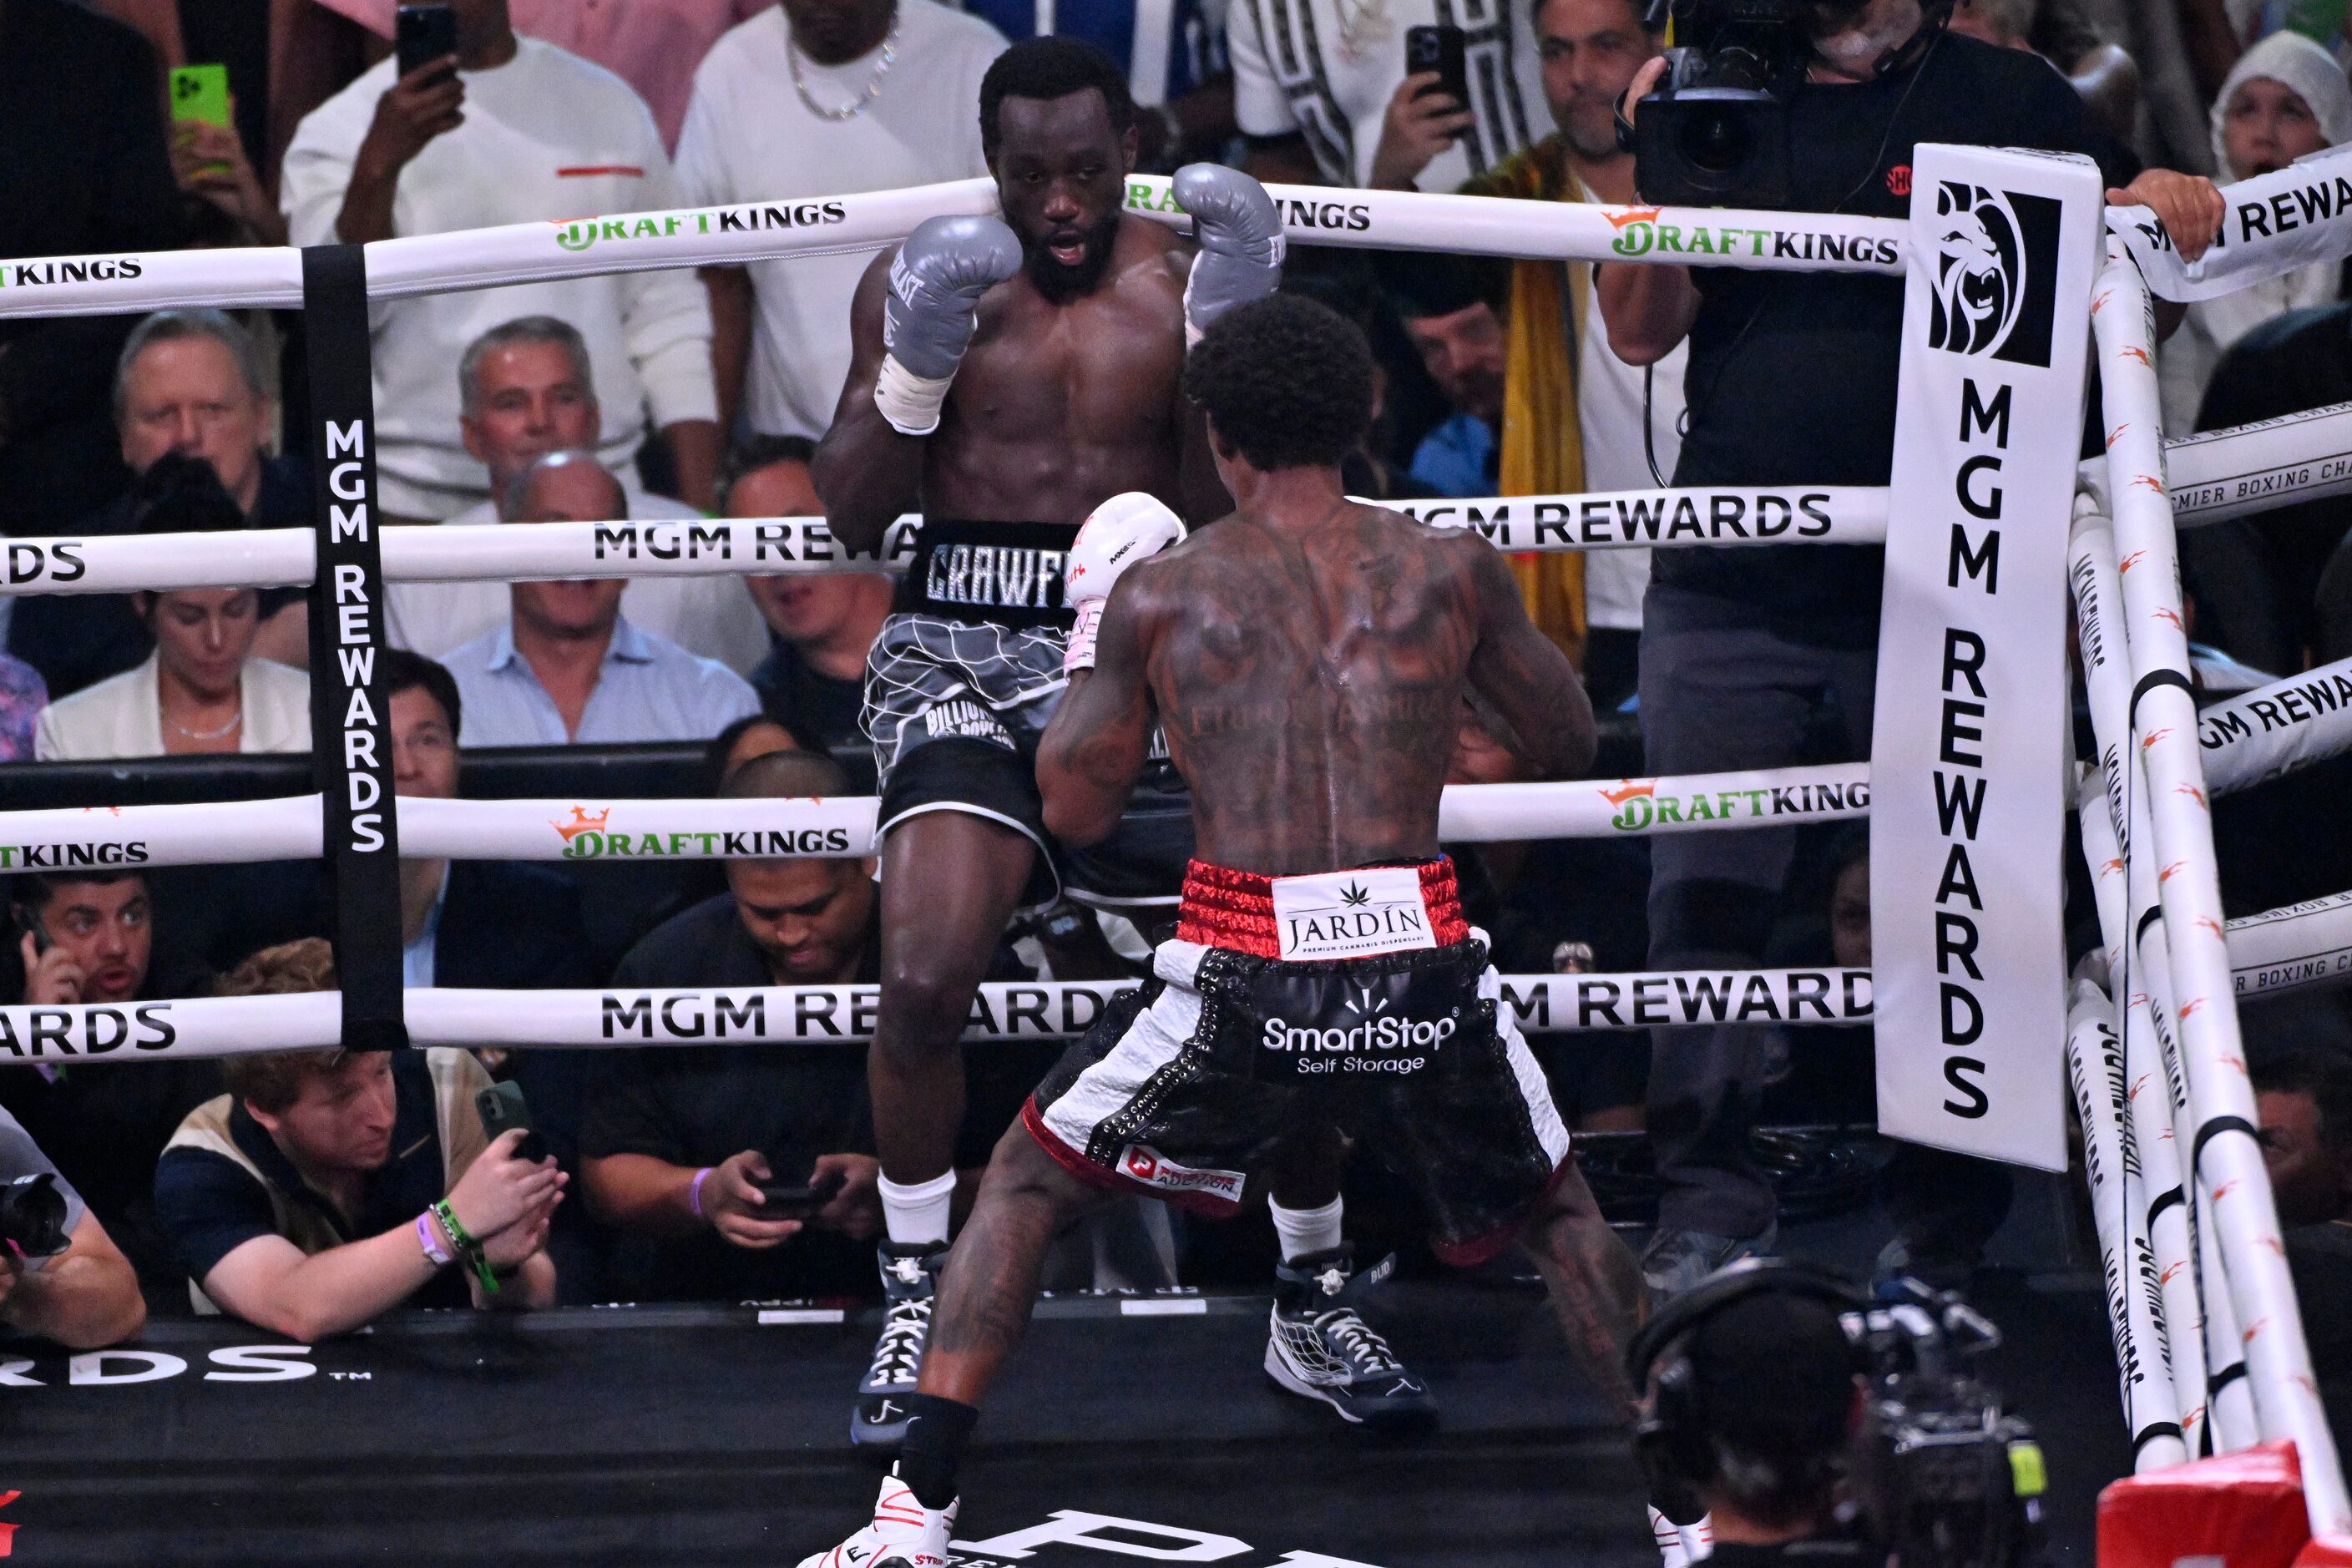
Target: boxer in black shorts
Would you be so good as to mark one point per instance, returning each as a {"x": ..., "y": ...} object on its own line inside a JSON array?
[
  {"x": 1007, "y": 376},
  {"x": 1308, "y": 658}
]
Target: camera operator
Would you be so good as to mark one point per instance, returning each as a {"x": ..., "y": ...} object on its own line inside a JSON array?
[
  {"x": 61, "y": 1275},
  {"x": 1753, "y": 1400},
  {"x": 1792, "y": 380},
  {"x": 1798, "y": 1421}
]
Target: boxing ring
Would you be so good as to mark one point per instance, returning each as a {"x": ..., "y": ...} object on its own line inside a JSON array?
[{"x": 2204, "y": 1320}]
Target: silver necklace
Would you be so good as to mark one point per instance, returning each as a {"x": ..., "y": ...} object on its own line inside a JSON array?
[
  {"x": 233, "y": 721},
  {"x": 855, "y": 106}
]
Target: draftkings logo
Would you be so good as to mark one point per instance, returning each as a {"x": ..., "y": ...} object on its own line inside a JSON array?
[
  {"x": 1640, "y": 805},
  {"x": 587, "y": 836},
  {"x": 1996, "y": 284}
]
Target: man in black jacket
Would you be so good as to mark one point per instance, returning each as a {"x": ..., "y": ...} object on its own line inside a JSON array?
[{"x": 1792, "y": 381}]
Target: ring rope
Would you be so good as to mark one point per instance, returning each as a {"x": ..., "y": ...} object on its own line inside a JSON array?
[
  {"x": 2194, "y": 952},
  {"x": 287, "y": 828},
  {"x": 410, "y": 265},
  {"x": 844, "y": 1014},
  {"x": 2218, "y": 474}
]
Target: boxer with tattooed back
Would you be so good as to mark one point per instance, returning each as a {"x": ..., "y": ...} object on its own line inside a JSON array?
[{"x": 1308, "y": 658}]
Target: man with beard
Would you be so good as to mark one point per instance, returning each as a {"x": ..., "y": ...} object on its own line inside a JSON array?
[{"x": 1009, "y": 376}]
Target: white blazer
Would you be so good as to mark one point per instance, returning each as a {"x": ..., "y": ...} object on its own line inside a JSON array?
[{"x": 125, "y": 717}]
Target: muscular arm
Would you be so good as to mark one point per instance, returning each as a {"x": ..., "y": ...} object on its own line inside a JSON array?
[
  {"x": 1522, "y": 676},
  {"x": 1101, "y": 734},
  {"x": 85, "y": 1297},
  {"x": 865, "y": 472}
]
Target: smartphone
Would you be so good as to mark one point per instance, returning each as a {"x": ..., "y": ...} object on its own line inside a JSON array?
[
  {"x": 29, "y": 919},
  {"x": 200, "y": 96},
  {"x": 787, "y": 1201},
  {"x": 1443, "y": 50},
  {"x": 502, "y": 1110},
  {"x": 423, "y": 34}
]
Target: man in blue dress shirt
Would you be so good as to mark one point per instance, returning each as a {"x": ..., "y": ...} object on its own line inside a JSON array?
[{"x": 566, "y": 667}]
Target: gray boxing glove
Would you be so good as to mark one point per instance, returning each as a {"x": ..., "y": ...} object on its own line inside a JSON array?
[
  {"x": 932, "y": 310},
  {"x": 1239, "y": 230}
]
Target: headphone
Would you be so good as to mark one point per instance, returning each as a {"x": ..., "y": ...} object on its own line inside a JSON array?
[{"x": 1672, "y": 1443}]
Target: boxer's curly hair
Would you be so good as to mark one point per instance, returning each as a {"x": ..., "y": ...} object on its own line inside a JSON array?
[
  {"x": 1287, "y": 382},
  {"x": 1048, "y": 69}
]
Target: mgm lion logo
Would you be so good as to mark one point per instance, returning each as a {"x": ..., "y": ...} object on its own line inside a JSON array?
[
  {"x": 1996, "y": 257},
  {"x": 1979, "y": 269}
]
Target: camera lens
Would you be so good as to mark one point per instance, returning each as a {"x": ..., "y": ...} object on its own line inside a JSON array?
[{"x": 1715, "y": 140}]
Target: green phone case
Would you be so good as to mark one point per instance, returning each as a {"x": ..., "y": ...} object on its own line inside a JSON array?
[{"x": 200, "y": 92}]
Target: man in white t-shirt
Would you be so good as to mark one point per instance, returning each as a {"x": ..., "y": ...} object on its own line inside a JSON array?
[
  {"x": 527, "y": 388},
  {"x": 1312, "y": 81},
  {"x": 819, "y": 100},
  {"x": 509, "y": 130}
]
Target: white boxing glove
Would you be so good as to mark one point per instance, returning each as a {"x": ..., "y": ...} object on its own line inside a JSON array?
[{"x": 1118, "y": 533}]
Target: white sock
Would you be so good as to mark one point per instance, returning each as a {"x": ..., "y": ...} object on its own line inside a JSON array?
[
  {"x": 917, "y": 1215},
  {"x": 1698, "y": 1540},
  {"x": 1306, "y": 1231},
  {"x": 1672, "y": 1552}
]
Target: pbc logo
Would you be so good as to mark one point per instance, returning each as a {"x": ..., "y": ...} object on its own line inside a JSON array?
[{"x": 1996, "y": 273}]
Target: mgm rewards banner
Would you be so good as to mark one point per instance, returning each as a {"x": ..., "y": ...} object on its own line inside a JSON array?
[{"x": 1968, "y": 765}]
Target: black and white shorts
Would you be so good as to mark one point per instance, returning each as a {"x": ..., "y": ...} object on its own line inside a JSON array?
[
  {"x": 960, "y": 687},
  {"x": 1185, "y": 1087}
]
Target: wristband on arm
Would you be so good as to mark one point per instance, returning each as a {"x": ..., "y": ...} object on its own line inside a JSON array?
[
  {"x": 694, "y": 1191},
  {"x": 467, "y": 1247},
  {"x": 434, "y": 1253}
]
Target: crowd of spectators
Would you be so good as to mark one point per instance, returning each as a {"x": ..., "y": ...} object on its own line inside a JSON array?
[{"x": 287, "y": 1189}]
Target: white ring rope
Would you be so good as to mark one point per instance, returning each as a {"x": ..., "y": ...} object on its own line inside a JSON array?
[
  {"x": 542, "y": 552},
  {"x": 835, "y": 1014},
  {"x": 2196, "y": 947},
  {"x": 828, "y": 225},
  {"x": 2094, "y": 1069},
  {"x": 2312, "y": 202},
  {"x": 287, "y": 828},
  {"x": 2274, "y": 730},
  {"x": 2286, "y": 949},
  {"x": 2222, "y": 474}
]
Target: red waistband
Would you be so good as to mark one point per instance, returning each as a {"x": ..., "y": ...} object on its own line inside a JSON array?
[{"x": 1234, "y": 910}]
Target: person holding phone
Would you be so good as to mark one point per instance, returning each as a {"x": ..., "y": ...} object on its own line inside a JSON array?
[
  {"x": 1318, "y": 83},
  {"x": 710, "y": 1159},
  {"x": 469, "y": 126},
  {"x": 209, "y": 158},
  {"x": 327, "y": 1187}
]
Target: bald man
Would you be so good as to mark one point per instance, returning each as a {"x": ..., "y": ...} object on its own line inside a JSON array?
[{"x": 567, "y": 665}]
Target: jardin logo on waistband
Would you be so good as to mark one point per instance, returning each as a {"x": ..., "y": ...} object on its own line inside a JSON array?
[
  {"x": 1640, "y": 803},
  {"x": 589, "y": 838}
]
